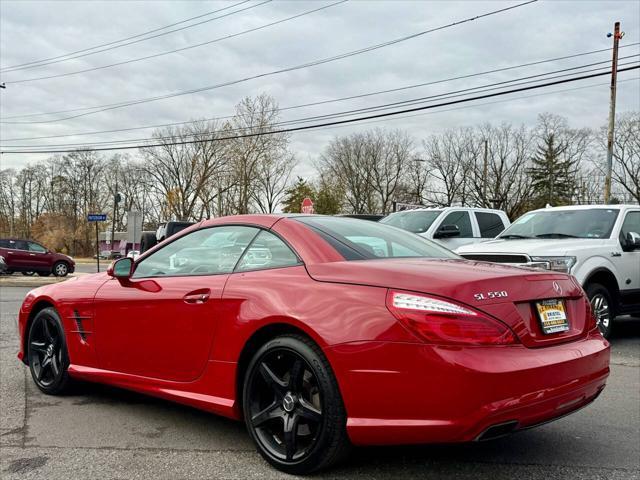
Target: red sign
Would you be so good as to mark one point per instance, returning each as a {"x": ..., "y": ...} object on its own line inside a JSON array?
[{"x": 307, "y": 206}]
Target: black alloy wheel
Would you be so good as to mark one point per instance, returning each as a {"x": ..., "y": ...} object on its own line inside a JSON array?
[
  {"x": 47, "y": 352},
  {"x": 602, "y": 307},
  {"x": 292, "y": 406}
]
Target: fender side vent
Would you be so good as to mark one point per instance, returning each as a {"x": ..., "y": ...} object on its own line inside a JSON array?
[{"x": 81, "y": 331}]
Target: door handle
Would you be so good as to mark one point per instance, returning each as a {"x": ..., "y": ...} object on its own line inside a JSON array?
[
  {"x": 32, "y": 254},
  {"x": 198, "y": 296}
]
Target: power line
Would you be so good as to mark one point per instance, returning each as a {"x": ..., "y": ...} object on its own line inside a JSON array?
[
  {"x": 52, "y": 61},
  {"x": 156, "y": 55},
  {"x": 332, "y": 123},
  {"x": 379, "y": 92},
  {"x": 102, "y": 108},
  {"x": 457, "y": 93},
  {"x": 495, "y": 102}
]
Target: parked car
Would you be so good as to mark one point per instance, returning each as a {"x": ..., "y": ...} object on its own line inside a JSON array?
[
  {"x": 27, "y": 256},
  {"x": 451, "y": 226},
  {"x": 317, "y": 335},
  {"x": 164, "y": 231},
  {"x": 598, "y": 244}
]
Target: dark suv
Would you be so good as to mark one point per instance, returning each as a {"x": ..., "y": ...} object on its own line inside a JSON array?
[{"x": 30, "y": 257}]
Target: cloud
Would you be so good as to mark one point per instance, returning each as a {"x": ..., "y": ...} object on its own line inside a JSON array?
[{"x": 36, "y": 29}]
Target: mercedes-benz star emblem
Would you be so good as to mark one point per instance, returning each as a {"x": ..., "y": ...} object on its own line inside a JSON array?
[{"x": 288, "y": 402}]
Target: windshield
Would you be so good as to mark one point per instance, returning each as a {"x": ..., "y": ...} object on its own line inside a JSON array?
[
  {"x": 361, "y": 239},
  {"x": 592, "y": 223},
  {"x": 412, "y": 221}
]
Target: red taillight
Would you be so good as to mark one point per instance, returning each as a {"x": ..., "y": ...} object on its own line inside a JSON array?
[{"x": 444, "y": 322}]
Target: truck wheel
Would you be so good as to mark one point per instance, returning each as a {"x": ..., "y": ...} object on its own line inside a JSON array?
[
  {"x": 603, "y": 307},
  {"x": 147, "y": 241}
]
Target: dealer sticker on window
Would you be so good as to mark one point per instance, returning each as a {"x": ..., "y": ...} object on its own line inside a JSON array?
[{"x": 553, "y": 317}]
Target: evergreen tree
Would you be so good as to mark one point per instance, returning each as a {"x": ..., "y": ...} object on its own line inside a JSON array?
[
  {"x": 552, "y": 173},
  {"x": 294, "y": 195}
]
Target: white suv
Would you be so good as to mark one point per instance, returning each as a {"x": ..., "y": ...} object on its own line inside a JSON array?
[
  {"x": 451, "y": 226},
  {"x": 598, "y": 244}
]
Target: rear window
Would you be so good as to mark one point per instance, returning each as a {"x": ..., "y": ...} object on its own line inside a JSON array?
[
  {"x": 368, "y": 240},
  {"x": 490, "y": 224}
]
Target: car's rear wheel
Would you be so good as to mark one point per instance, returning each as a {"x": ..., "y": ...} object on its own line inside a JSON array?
[
  {"x": 47, "y": 352},
  {"x": 602, "y": 306},
  {"x": 293, "y": 408},
  {"x": 60, "y": 269}
]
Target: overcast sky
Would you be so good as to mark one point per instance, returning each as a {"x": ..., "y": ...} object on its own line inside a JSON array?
[{"x": 34, "y": 30}]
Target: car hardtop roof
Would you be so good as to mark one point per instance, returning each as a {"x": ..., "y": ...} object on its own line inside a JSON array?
[{"x": 617, "y": 206}]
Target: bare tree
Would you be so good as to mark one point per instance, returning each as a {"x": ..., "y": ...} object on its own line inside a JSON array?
[
  {"x": 253, "y": 154},
  {"x": 626, "y": 154},
  {"x": 448, "y": 159}
]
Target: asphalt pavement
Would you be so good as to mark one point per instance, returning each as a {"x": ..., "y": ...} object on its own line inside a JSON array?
[{"x": 103, "y": 432}]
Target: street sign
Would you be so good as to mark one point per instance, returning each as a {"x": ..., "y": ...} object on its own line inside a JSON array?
[
  {"x": 134, "y": 227},
  {"x": 307, "y": 206},
  {"x": 97, "y": 217}
]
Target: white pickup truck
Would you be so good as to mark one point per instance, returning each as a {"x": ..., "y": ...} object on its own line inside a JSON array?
[
  {"x": 598, "y": 244},
  {"x": 451, "y": 226}
]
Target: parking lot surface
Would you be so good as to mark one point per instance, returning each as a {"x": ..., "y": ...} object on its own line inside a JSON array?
[{"x": 103, "y": 432}]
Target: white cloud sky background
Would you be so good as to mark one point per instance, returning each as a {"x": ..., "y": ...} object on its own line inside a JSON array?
[{"x": 32, "y": 30}]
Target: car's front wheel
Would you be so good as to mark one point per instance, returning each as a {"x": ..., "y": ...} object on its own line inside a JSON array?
[
  {"x": 293, "y": 408},
  {"x": 602, "y": 307},
  {"x": 47, "y": 352},
  {"x": 61, "y": 269}
]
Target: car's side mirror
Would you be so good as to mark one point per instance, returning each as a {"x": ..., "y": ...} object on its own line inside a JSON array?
[
  {"x": 121, "y": 268},
  {"x": 447, "y": 231},
  {"x": 633, "y": 241}
]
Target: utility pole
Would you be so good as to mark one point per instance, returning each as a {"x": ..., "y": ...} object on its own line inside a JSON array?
[
  {"x": 617, "y": 35},
  {"x": 116, "y": 199},
  {"x": 485, "y": 172}
]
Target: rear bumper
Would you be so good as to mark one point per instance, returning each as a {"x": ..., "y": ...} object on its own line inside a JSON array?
[{"x": 400, "y": 393}]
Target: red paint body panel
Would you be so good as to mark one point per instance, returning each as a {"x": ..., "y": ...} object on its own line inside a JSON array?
[{"x": 396, "y": 388}]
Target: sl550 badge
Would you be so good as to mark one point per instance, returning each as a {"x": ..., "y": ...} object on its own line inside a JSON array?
[{"x": 490, "y": 295}]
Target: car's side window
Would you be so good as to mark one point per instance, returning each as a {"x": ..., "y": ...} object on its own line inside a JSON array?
[
  {"x": 631, "y": 224},
  {"x": 463, "y": 222},
  {"x": 267, "y": 251},
  {"x": 490, "y": 224},
  {"x": 4, "y": 243},
  {"x": 34, "y": 247},
  {"x": 208, "y": 251},
  {"x": 19, "y": 245}
]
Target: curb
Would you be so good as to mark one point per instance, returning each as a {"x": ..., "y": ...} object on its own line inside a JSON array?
[{"x": 34, "y": 282}]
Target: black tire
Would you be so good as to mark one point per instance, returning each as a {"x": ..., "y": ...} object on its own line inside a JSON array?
[
  {"x": 44, "y": 274},
  {"x": 602, "y": 306},
  {"x": 30, "y": 273},
  {"x": 60, "y": 269},
  {"x": 289, "y": 382},
  {"x": 147, "y": 241},
  {"x": 47, "y": 353}
]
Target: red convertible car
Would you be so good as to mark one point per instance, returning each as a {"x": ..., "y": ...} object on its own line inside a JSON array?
[{"x": 324, "y": 332}]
